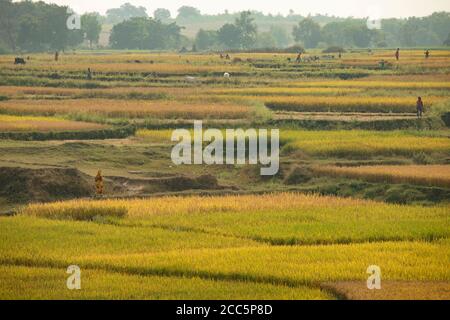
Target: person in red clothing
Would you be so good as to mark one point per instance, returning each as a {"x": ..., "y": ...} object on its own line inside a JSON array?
[{"x": 419, "y": 106}]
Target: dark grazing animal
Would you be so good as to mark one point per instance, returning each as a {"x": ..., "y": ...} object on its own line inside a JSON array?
[{"x": 19, "y": 61}]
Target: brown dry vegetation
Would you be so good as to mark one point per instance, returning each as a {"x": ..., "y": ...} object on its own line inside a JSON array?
[{"x": 392, "y": 290}]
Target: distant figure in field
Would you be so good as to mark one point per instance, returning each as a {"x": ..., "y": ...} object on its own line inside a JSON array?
[
  {"x": 299, "y": 57},
  {"x": 419, "y": 105},
  {"x": 99, "y": 183},
  {"x": 340, "y": 55},
  {"x": 227, "y": 57},
  {"x": 56, "y": 55},
  {"x": 397, "y": 54},
  {"x": 427, "y": 54},
  {"x": 221, "y": 56},
  {"x": 89, "y": 74}
]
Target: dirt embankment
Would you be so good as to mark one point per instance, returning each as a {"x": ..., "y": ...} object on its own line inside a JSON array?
[
  {"x": 24, "y": 185},
  {"x": 20, "y": 185},
  {"x": 169, "y": 184}
]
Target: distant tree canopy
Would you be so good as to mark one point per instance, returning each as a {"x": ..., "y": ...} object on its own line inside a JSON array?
[
  {"x": 242, "y": 34},
  {"x": 206, "y": 39},
  {"x": 323, "y": 31},
  {"x": 348, "y": 33},
  {"x": 162, "y": 14},
  {"x": 125, "y": 12},
  {"x": 145, "y": 33},
  {"x": 186, "y": 12},
  {"x": 228, "y": 36},
  {"x": 308, "y": 32},
  {"x": 36, "y": 26},
  {"x": 447, "y": 41},
  {"x": 247, "y": 30}
]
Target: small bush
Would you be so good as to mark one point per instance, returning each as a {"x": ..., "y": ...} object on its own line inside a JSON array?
[
  {"x": 299, "y": 175},
  {"x": 421, "y": 158}
]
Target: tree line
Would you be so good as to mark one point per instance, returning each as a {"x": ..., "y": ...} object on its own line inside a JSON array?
[{"x": 37, "y": 26}]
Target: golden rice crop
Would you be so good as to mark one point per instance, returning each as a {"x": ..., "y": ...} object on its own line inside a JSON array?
[
  {"x": 375, "y": 84},
  {"x": 348, "y": 104},
  {"x": 360, "y": 143},
  {"x": 103, "y": 284},
  {"x": 125, "y": 68},
  {"x": 126, "y": 108},
  {"x": 28, "y": 123},
  {"x": 343, "y": 143},
  {"x": 190, "y": 205},
  {"x": 442, "y": 62},
  {"x": 267, "y": 91},
  {"x": 226, "y": 238},
  {"x": 432, "y": 175},
  {"x": 16, "y": 92}
]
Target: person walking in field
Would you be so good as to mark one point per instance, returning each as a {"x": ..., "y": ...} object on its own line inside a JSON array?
[
  {"x": 89, "y": 74},
  {"x": 299, "y": 58},
  {"x": 427, "y": 54},
  {"x": 419, "y": 105},
  {"x": 99, "y": 183},
  {"x": 397, "y": 54}
]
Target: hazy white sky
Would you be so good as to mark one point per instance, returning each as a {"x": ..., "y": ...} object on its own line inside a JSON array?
[{"x": 356, "y": 8}]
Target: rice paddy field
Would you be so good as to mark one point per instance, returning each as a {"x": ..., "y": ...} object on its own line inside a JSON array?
[{"x": 362, "y": 180}]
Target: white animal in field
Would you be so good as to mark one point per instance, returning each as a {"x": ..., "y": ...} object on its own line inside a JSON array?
[
  {"x": 226, "y": 75},
  {"x": 190, "y": 79}
]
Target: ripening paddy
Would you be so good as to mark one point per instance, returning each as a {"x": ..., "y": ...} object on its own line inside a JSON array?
[
  {"x": 43, "y": 124},
  {"x": 267, "y": 246}
]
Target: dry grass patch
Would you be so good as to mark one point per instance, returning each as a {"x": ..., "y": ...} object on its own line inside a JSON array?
[{"x": 392, "y": 290}]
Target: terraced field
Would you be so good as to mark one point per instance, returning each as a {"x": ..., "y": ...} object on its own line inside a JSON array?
[{"x": 362, "y": 180}]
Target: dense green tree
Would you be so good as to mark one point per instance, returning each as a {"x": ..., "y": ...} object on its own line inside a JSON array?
[
  {"x": 308, "y": 32},
  {"x": 349, "y": 33},
  {"x": 91, "y": 27},
  {"x": 129, "y": 34},
  {"x": 145, "y": 33},
  {"x": 8, "y": 23},
  {"x": 247, "y": 30},
  {"x": 265, "y": 40},
  {"x": 229, "y": 36},
  {"x": 205, "y": 39},
  {"x": 280, "y": 35},
  {"x": 438, "y": 23}
]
